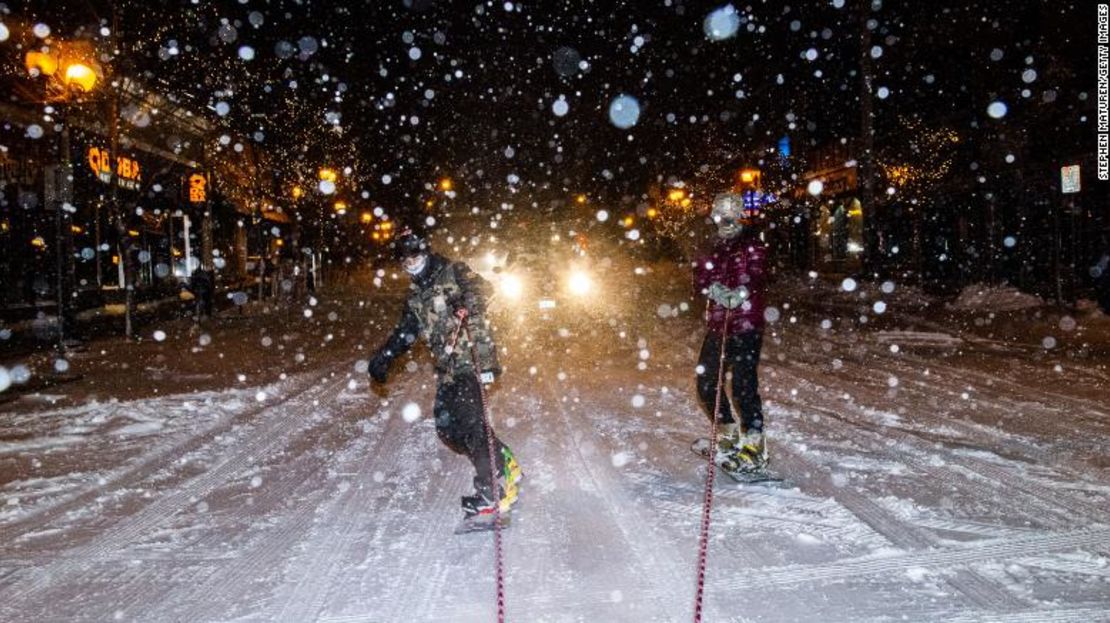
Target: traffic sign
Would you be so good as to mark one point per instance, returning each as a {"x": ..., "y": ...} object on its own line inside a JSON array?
[{"x": 1069, "y": 179}]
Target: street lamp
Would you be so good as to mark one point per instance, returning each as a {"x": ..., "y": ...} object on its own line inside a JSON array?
[
  {"x": 328, "y": 174},
  {"x": 41, "y": 64},
  {"x": 81, "y": 76},
  {"x": 75, "y": 76},
  {"x": 446, "y": 184}
]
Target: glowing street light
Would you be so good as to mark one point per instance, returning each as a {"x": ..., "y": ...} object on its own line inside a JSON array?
[
  {"x": 328, "y": 175},
  {"x": 341, "y": 207},
  {"x": 41, "y": 63},
  {"x": 750, "y": 179},
  {"x": 446, "y": 184},
  {"x": 69, "y": 70},
  {"x": 367, "y": 218},
  {"x": 80, "y": 75},
  {"x": 298, "y": 192}
]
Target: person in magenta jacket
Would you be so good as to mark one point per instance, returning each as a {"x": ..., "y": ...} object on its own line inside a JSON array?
[{"x": 732, "y": 276}]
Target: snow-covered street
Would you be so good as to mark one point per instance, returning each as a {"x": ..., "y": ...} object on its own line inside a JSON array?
[{"x": 934, "y": 478}]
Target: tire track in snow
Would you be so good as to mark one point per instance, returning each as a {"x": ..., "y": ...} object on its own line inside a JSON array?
[
  {"x": 990, "y": 478},
  {"x": 274, "y": 431},
  {"x": 136, "y": 473},
  {"x": 333, "y": 538},
  {"x": 980, "y": 590},
  {"x": 225, "y": 584},
  {"x": 645, "y": 543},
  {"x": 943, "y": 559}
]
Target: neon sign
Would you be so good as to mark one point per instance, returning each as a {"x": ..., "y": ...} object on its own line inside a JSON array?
[{"x": 128, "y": 172}]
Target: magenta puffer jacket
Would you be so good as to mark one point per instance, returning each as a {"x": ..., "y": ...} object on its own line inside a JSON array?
[{"x": 734, "y": 262}]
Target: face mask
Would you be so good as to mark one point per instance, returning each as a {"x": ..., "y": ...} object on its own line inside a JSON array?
[
  {"x": 414, "y": 265},
  {"x": 727, "y": 227},
  {"x": 727, "y": 209}
]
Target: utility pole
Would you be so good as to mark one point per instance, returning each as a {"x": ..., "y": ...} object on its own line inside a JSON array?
[
  {"x": 62, "y": 183},
  {"x": 123, "y": 244},
  {"x": 865, "y": 159}
]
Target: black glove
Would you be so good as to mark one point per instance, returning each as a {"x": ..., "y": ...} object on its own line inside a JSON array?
[{"x": 378, "y": 368}]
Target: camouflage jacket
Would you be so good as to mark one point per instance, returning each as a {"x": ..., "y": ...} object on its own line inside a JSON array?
[{"x": 434, "y": 296}]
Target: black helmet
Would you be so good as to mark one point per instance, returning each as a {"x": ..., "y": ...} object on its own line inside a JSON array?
[{"x": 409, "y": 243}]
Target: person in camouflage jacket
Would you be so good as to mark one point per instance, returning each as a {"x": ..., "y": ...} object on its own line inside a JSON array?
[{"x": 446, "y": 306}]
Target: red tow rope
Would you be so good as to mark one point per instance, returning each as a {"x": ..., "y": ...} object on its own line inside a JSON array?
[
  {"x": 710, "y": 476},
  {"x": 498, "y": 565}
]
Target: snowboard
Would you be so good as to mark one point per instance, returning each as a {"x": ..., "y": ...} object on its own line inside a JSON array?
[
  {"x": 483, "y": 523},
  {"x": 701, "y": 447}
]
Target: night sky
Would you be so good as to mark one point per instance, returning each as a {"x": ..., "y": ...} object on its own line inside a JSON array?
[{"x": 415, "y": 89}]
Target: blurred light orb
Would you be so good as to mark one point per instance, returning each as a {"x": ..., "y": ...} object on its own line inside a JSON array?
[
  {"x": 815, "y": 187},
  {"x": 308, "y": 45},
  {"x": 560, "y": 107},
  {"x": 997, "y": 110},
  {"x": 284, "y": 49},
  {"x": 4, "y": 32},
  {"x": 246, "y": 53},
  {"x": 624, "y": 111},
  {"x": 566, "y": 61},
  {"x": 722, "y": 23},
  {"x": 512, "y": 287},
  {"x": 580, "y": 283},
  {"x": 410, "y": 412},
  {"x": 327, "y": 187}
]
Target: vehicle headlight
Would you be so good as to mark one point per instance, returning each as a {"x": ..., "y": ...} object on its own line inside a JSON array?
[
  {"x": 580, "y": 283},
  {"x": 512, "y": 286}
]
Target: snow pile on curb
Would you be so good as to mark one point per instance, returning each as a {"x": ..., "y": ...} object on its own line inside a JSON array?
[{"x": 980, "y": 297}]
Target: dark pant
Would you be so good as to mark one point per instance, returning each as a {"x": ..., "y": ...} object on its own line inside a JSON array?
[
  {"x": 742, "y": 359},
  {"x": 458, "y": 413}
]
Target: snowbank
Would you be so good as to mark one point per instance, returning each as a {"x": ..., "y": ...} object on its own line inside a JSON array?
[{"x": 981, "y": 297}]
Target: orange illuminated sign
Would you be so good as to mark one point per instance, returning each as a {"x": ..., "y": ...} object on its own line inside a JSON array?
[
  {"x": 198, "y": 188},
  {"x": 128, "y": 172}
]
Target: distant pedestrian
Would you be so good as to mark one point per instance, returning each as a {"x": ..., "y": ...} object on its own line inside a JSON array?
[{"x": 202, "y": 286}]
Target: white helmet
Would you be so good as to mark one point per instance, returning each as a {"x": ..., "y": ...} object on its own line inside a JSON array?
[{"x": 728, "y": 210}]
